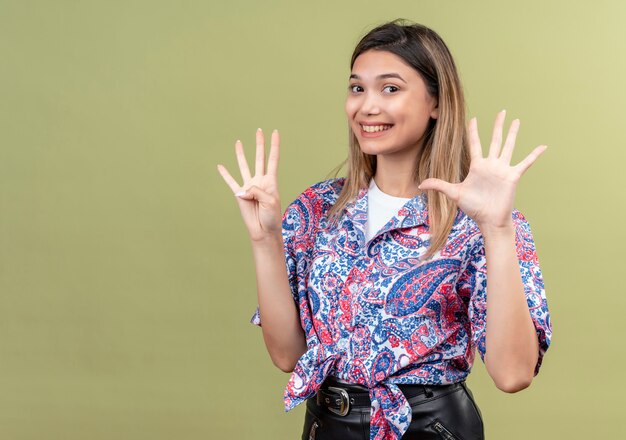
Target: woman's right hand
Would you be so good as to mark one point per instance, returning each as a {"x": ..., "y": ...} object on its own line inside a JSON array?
[{"x": 258, "y": 196}]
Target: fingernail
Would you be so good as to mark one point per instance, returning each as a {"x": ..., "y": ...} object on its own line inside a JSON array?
[
  {"x": 258, "y": 129},
  {"x": 237, "y": 141},
  {"x": 275, "y": 130},
  {"x": 240, "y": 194}
]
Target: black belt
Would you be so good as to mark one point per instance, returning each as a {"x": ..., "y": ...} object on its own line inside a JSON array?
[{"x": 339, "y": 397}]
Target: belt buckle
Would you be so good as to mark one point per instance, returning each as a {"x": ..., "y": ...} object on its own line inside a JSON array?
[{"x": 344, "y": 407}]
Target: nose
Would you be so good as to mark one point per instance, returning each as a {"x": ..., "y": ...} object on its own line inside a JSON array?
[{"x": 370, "y": 104}]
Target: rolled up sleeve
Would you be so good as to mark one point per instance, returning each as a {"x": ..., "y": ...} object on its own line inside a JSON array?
[
  {"x": 293, "y": 226},
  {"x": 473, "y": 283}
]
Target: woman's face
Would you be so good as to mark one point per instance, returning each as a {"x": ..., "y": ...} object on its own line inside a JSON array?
[{"x": 388, "y": 107}]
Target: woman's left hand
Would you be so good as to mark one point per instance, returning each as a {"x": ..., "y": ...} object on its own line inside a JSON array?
[{"x": 488, "y": 191}]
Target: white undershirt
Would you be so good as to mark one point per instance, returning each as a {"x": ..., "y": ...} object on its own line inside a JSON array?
[{"x": 380, "y": 208}]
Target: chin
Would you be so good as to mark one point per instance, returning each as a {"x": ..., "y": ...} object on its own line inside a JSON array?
[
  {"x": 374, "y": 148},
  {"x": 368, "y": 147}
]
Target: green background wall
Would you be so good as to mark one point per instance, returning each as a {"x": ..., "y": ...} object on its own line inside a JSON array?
[{"x": 126, "y": 278}]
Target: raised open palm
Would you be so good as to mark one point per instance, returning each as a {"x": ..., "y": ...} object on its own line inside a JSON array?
[
  {"x": 258, "y": 196},
  {"x": 488, "y": 192}
]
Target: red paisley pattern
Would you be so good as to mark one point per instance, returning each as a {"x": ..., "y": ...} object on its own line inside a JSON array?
[{"x": 375, "y": 314}]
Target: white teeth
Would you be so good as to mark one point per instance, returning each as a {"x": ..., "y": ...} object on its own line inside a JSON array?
[{"x": 375, "y": 128}]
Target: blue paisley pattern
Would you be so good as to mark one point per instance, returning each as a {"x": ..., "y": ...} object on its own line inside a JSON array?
[{"x": 374, "y": 314}]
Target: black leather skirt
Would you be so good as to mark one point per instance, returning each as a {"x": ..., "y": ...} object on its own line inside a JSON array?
[{"x": 342, "y": 411}]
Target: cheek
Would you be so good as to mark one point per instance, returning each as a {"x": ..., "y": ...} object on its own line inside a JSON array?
[
  {"x": 413, "y": 123},
  {"x": 419, "y": 116},
  {"x": 351, "y": 106}
]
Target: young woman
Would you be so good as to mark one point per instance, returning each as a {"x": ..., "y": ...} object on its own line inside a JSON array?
[{"x": 376, "y": 289}]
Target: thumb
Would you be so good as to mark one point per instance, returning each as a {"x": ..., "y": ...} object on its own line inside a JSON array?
[
  {"x": 449, "y": 189},
  {"x": 256, "y": 193}
]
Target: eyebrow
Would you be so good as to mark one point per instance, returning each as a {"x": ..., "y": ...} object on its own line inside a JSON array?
[{"x": 383, "y": 76}]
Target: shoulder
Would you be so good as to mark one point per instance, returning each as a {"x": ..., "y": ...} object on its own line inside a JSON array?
[
  {"x": 313, "y": 203},
  {"x": 326, "y": 190},
  {"x": 465, "y": 221},
  {"x": 323, "y": 194},
  {"x": 521, "y": 224},
  {"x": 464, "y": 224}
]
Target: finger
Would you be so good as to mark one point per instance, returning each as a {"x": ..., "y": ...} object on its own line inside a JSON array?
[
  {"x": 259, "y": 168},
  {"x": 530, "y": 159},
  {"x": 272, "y": 160},
  {"x": 476, "y": 151},
  {"x": 243, "y": 163},
  {"x": 496, "y": 137},
  {"x": 509, "y": 144},
  {"x": 449, "y": 189},
  {"x": 228, "y": 178}
]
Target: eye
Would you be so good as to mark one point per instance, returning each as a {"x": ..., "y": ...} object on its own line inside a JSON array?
[
  {"x": 355, "y": 88},
  {"x": 391, "y": 89}
]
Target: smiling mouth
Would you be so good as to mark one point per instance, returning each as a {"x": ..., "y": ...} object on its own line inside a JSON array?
[{"x": 375, "y": 128}]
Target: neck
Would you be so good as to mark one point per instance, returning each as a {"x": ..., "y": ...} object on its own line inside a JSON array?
[{"x": 395, "y": 176}]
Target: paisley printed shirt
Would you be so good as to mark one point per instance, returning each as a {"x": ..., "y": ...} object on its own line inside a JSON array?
[{"x": 376, "y": 315}]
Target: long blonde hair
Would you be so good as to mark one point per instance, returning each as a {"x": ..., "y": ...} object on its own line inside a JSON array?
[{"x": 445, "y": 149}]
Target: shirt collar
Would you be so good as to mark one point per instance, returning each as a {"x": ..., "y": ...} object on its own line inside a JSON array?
[{"x": 413, "y": 213}]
